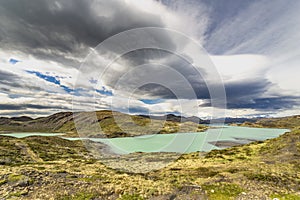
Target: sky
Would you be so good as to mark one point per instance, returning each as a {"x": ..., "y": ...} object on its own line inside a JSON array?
[{"x": 54, "y": 57}]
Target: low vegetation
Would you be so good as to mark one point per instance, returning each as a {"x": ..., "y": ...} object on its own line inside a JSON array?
[
  {"x": 98, "y": 124},
  {"x": 54, "y": 168},
  {"x": 283, "y": 122}
]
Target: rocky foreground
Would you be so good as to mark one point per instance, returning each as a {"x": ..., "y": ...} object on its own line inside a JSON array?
[{"x": 54, "y": 168}]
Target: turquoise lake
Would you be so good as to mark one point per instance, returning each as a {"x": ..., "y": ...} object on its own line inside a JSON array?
[{"x": 179, "y": 142}]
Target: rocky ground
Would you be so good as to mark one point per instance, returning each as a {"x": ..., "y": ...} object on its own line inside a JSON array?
[{"x": 54, "y": 168}]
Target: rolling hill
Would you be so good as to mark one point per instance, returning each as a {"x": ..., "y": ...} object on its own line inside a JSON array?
[
  {"x": 33, "y": 166},
  {"x": 103, "y": 123},
  {"x": 282, "y": 122}
]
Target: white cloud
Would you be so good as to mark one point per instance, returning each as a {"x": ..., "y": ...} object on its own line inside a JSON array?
[
  {"x": 240, "y": 67},
  {"x": 255, "y": 45}
]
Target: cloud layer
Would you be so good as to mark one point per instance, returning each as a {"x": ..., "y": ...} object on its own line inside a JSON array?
[{"x": 43, "y": 44}]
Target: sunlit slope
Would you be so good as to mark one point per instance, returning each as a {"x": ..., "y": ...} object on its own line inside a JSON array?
[
  {"x": 98, "y": 124},
  {"x": 260, "y": 170},
  {"x": 283, "y": 122}
]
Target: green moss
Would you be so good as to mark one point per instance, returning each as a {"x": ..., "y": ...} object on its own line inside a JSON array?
[
  {"x": 298, "y": 146},
  {"x": 92, "y": 178},
  {"x": 222, "y": 191},
  {"x": 40, "y": 168},
  {"x": 15, "y": 177},
  {"x": 206, "y": 172},
  {"x": 90, "y": 161},
  {"x": 12, "y": 178},
  {"x": 286, "y": 196},
  {"x": 61, "y": 171},
  {"x": 261, "y": 177},
  {"x": 130, "y": 197},
  {"x": 15, "y": 194},
  {"x": 79, "y": 196},
  {"x": 2, "y": 182}
]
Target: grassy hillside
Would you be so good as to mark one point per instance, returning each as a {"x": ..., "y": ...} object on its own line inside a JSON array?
[
  {"x": 112, "y": 124},
  {"x": 50, "y": 167},
  {"x": 284, "y": 122}
]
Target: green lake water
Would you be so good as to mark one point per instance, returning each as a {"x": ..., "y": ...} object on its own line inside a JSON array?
[
  {"x": 189, "y": 142},
  {"x": 179, "y": 142}
]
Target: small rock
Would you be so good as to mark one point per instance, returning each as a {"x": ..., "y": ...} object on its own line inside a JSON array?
[
  {"x": 24, "y": 192},
  {"x": 212, "y": 191},
  {"x": 22, "y": 183},
  {"x": 244, "y": 193}
]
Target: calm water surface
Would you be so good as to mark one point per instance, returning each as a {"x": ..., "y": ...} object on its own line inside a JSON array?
[{"x": 180, "y": 142}]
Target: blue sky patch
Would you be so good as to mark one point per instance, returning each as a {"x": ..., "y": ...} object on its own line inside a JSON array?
[
  {"x": 151, "y": 101},
  {"x": 104, "y": 91},
  {"x": 48, "y": 78},
  {"x": 13, "y": 61},
  {"x": 51, "y": 79}
]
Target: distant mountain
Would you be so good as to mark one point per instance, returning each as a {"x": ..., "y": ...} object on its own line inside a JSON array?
[
  {"x": 175, "y": 118},
  {"x": 95, "y": 124},
  {"x": 21, "y": 119},
  {"x": 229, "y": 120},
  {"x": 111, "y": 123}
]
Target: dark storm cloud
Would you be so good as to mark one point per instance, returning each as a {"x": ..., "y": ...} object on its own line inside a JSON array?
[
  {"x": 275, "y": 103},
  {"x": 29, "y": 113},
  {"x": 248, "y": 95},
  {"x": 5, "y": 90},
  {"x": 246, "y": 89},
  {"x": 53, "y": 29},
  {"x": 28, "y": 106},
  {"x": 9, "y": 79},
  {"x": 169, "y": 76},
  {"x": 236, "y": 92},
  {"x": 158, "y": 91},
  {"x": 10, "y": 107},
  {"x": 199, "y": 91},
  {"x": 63, "y": 31},
  {"x": 242, "y": 93}
]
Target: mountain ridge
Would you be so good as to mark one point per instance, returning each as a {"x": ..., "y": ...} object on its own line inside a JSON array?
[
  {"x": 34, "y": 165},
  {"x": 111, "y": 123}
]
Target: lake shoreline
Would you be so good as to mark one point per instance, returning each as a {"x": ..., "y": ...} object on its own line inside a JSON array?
[{"x": 215, "y": 138}]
